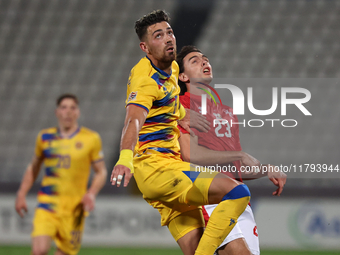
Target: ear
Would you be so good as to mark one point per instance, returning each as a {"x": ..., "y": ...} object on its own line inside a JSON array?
[
  {"x": 183, "y": 78},
  {"x": 144, "y": 47}
]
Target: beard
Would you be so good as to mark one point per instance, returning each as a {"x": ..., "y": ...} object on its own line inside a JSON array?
[
  {"x": 168, "y": 57},
  {"x": 163, "y": 57}
]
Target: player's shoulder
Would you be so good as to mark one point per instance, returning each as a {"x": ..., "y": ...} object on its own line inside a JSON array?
[
  {"x": 185, "y": 97},
  {"x": 88, "y": 132},
  {"x": 228, "y": 108},
  {"x": 142, "y": 71},
  {"x": 175, "y": 67},
  {"x": 50, "y": 130},
  {"x": 47, "y": 134},
  {"x": 142, "y": 67},
  {"x": 186, "y": 100}
]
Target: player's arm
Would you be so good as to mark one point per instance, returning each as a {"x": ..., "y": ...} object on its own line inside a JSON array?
[
  {"x": 98, "y": 181},
  {"x": 251, "y": 173},
  {"x": 193, "y": 152},
  {"x": 29, "y": 178},
  {"x": 274, "y": 173},
  {"x": 192, "y": 119},
  {"x": 134, "y": 121}
]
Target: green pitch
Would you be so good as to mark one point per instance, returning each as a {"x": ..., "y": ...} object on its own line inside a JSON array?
[{"x": 21, "y": 250}]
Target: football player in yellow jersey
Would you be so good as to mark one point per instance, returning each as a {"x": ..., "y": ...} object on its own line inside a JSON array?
[
  {"x": 150, "y": 149},
  {"x": 68, "y": 152}
]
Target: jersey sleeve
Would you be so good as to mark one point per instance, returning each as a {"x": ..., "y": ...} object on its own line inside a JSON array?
[
  {"x": 142, "y": 93},
  {"x": 97, "y": 152},
  {"x": 38, "y": 151}
]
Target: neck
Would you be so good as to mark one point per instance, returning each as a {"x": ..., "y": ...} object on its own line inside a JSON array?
[
  {"x": 196, "y": 89},
  {"x": 164, "y": 66},
  {"x": 67, "y": 131}
]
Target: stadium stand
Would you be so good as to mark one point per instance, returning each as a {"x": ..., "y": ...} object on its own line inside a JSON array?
[{"x": 88, "y": 48}]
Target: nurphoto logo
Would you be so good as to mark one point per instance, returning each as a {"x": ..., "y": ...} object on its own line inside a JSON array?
[{"x": 239, "y": 104}]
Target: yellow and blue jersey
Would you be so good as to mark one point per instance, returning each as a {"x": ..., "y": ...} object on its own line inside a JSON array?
[
  {"x": 157, "y": 92},
  {"x": 67, "y": 163}
]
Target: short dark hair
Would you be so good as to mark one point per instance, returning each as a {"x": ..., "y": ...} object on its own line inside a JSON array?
[
  {"x": 65, "y": 96},
  {"x": 179, "y": 59},
  {"x": 152, "y": 18}
]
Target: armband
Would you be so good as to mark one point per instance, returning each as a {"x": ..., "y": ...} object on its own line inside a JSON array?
[{"x": 126, "y": 159}]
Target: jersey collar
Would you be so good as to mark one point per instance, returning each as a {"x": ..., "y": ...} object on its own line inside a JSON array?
[
  {"x": 195, "y": 97},
  {"x": 70, "y": 136},
  {"x": 163, "y": 73}
]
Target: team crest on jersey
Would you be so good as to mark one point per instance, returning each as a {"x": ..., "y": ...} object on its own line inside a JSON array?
[
  {"x": 229, "y": 113},
  {"x": 132, "y": 96},
  {"x": 218, "y": 116},
  {"x": 79, "y": 145}
]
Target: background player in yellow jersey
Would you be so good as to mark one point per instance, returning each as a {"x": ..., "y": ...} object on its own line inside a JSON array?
[
  {"x": 150, "y": 149},
  {"x": 68, "y": 152}
]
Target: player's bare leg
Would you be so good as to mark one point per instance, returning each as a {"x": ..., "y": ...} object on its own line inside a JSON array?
[
  {"x": 41, "y": 245},
  {"x": 189, "y": 242},
  {"x": 220, "y": 186},
  {"x": 60, "y": 252},
  {"x": 235, "y": 247}
]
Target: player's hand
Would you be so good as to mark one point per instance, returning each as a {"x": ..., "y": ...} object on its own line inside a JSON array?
[
  {"x": 194, "y": 120},
  {"x": 88, "y": 201},
  {"x": 278, "y": 178},
  {"x": 118, "y": 173},
  {"x": 251, "y": 162},
  {"x": 21, "y": 205}
]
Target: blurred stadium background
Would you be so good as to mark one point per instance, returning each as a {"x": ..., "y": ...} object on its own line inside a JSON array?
[{"x": 88, "y": 47}]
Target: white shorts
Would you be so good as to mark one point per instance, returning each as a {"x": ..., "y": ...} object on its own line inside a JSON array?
[{"x": 244, "y": 228}]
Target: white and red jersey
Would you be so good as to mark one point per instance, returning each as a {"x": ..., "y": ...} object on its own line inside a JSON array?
[{"x": 223, "y": 135}]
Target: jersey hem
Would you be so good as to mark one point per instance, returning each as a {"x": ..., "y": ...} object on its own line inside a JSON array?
[
  {"x": 139, "y": 105},
  {"x": 98, "y": 160}
]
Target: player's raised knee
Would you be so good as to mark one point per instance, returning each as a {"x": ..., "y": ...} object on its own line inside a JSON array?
[{"x": 240, "y": 191}]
